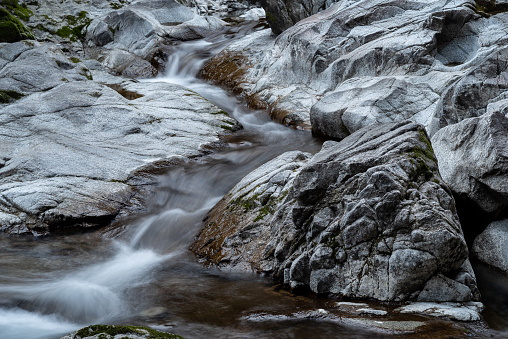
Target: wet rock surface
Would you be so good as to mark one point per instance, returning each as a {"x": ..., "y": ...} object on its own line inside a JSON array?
[
  {"x": 131, "y": 40},
  {"x": 368, "y": 218},
  {"x": 70, "y": 145},
  {"x": 221, "y": 8},
  {"x": 369, "y": 62}
]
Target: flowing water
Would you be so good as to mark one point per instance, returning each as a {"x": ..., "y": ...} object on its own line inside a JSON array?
[{"x": 145, "y": 275}]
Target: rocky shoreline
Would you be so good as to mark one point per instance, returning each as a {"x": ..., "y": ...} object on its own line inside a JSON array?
[{"x": 411, "y": 96}]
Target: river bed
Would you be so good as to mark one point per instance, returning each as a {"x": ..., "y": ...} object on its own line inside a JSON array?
[{"x": 145, "y": 274}]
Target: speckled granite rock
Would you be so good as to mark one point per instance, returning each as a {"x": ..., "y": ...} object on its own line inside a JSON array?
[
  {"x": 131, "y": 39},
  {"x": 491, "y": 246},
  {"x": 368, "y": 217},
  {"x": 119, "y": 332}
]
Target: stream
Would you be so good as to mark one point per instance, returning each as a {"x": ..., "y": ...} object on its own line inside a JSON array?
[
  {"x": 51, "y": 286},
  {"x": 145, "y": 274}
]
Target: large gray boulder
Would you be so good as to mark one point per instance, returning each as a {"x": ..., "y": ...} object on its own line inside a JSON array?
[
  {"x": 282, "y": 14},
  {"x": 491, "y": 246},
  {"x": 368, "y": 217},
  {"x": 64, "y": 22},
  {"x": 368, "y": 62},
  {"x": 473, "y": 158},
  {"x": 71, "y": 156}
]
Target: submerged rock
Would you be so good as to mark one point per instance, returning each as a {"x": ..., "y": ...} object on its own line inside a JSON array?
[
  {"x": 68, "y": 155},
  {"x": 473, "y": 158},
  {"x": 454, "y": 311},
  {"x": 367, "y": 62},
  {"x": 368, "y": 217}
]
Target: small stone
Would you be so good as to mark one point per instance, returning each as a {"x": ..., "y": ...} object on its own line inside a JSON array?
[
  {"x": 456, "y": 311},
  {"x": 370, "y": 311}
]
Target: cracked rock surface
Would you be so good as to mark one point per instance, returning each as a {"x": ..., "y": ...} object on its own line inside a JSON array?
[
  {"x": 71, "y": 148},
  {"x": 131, "y": 40},
  {"x": 366, "y": 62},
  {"x": 220, "y": 8},
  {"x": 368, "y": 217}
]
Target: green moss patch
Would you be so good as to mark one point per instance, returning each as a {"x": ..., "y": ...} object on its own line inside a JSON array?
[
  {"x": 117, "y": 4},
  {"x": 110, "y": 331},
  {"x": 424, "y": 161},
  {"x": 490, "y": 7},
  {"x": 19, "y": 11},
  {"x": 9, "y": 96},
  {"x": 75, "y": 28},
  {"x": 11, "y": 28}
]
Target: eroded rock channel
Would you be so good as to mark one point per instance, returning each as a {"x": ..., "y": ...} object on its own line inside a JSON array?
[{"x": 134, "y": 191}]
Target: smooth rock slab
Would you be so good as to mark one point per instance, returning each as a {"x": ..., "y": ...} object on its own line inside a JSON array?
[
  {"x": 69, "y": 154},
  {"x": 454, "y": 311},
  {"x": 368, "y": 217}
]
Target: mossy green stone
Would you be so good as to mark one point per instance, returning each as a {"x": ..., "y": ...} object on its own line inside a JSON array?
[
  {"x": 11, "y": 29},
  {"x": 9, "y": 32}
]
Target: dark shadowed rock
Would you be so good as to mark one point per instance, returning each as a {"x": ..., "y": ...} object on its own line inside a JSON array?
[
  {"x": 368, "y": 217},
  {"x": 115, "y": 331},
  {"x": 473, "y": 158},
  {"x": 282, "y": 14}
]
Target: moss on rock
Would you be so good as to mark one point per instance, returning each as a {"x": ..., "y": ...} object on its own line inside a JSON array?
[
  {"x": 11, "y": 28},
  {"x": 9, "y": 96},
  {"x": 110, "y": 331}
]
